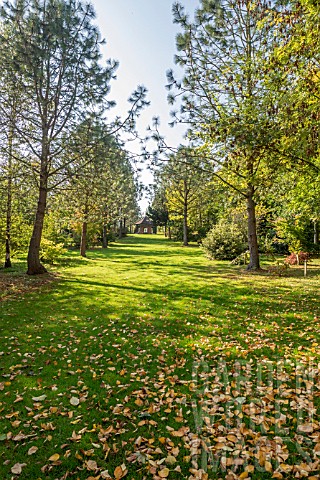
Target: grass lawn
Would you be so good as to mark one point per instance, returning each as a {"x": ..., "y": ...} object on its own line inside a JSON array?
[{"x": 147, "y": 360}]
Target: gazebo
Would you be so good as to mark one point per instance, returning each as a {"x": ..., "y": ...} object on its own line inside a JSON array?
[{"x": 145, "y": 225}]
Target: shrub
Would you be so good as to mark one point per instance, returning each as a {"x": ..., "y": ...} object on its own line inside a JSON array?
[
  {"x": 50, "y": 251},
  {"x": 294, "y": 257},
  {"x": 224, "y": 242}
]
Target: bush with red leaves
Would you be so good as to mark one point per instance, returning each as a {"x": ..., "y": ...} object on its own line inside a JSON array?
[{"x": 292, "y": 259}]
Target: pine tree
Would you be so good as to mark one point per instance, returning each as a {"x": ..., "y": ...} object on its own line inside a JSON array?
[
  {"x": 56, "y": 55},
  {"x": 223, "y": 99}
]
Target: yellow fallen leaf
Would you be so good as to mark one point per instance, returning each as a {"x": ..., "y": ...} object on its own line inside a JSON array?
[
  {"x": 268, "y": 466},
  {"x": 164, "y": 473},
  {"x": 54, "y": 457},
  {"x": 243, "y": 475},
  {"x": 249, "y": 468}
]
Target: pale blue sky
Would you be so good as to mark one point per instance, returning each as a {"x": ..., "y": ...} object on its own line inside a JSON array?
[{"x": 140, "y": 34}]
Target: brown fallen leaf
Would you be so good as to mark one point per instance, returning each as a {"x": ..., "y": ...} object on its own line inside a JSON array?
[
  {"x": 39, "y": 399},
  {"x": 306, "y": 428},
  {"x": 120, "y": 472},
  {"x": 105, "y": 474},
  {"x": 32, "y": 450},
  {"x": 17, "y": 468},
  {"x": 19, "y": 437},
  {"x": 91, "y": 465}
]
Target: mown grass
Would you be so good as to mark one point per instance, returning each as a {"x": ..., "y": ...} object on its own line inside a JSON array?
[{"x": 169, "y": 355}]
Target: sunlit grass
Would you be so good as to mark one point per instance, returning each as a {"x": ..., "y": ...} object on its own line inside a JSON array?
[{"x": 121, "y": 331}]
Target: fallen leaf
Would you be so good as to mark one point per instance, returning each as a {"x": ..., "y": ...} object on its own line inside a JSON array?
[
  {"x": 120, "y": 472},
  {"x": 32, "y": 450},
  {"x": 268, "y": 466},
  {"x": 164, "y": 473},
  {"x": 74, "y": 401},
  {"x": 17, "y": 468},
  {"x": 91, "y": 465},
  {"x": 105, "y": 474},
  {"x": 306, "y": 428},
  {"x": 54, "y": 457},
  {"x": 243, "y": 475},
  {"x": 39, "y": 399}
]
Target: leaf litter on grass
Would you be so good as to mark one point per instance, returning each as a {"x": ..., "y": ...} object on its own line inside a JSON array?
[{"x": 122, "y": 396}]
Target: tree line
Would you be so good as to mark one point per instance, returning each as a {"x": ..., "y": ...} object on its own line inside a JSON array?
[
  {"x": 250, "y": 99},
  {"x": 64, "y": 169}
]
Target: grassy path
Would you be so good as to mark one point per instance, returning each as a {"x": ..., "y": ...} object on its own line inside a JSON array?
[{"x": 149, "y": 361}]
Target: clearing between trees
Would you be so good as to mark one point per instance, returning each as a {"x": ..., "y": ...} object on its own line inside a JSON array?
[{"x": 146, "y": 360}]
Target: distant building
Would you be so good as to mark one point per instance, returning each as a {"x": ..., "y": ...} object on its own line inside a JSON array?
[{"x": 145, "y": 225}]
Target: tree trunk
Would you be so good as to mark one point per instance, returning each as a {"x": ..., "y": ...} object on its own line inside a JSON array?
[
  {"x": 185, "y": 215},
  {"x": 315, "y": 232},
  {"x": 83, "y": 245},
  {"x": 120, "y": 229},
  {"x": 165, "y": 230},
  {"x": 254, "y": 263},
  {"x": 104, "y": 237},
  {"x": 169, "y": 232},
  {"x": 185, "y": 225},
  {"x": 7, "y": 263},
  {"x": 34, "y": 265}
]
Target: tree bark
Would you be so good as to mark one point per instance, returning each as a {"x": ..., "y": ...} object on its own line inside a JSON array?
[
  {"x": 254, "y": 263},
  {"x": 7, "y": 263},
  {"x": 34, "y": 265},
  {"x": 185, "y": 225},
  {"x": 104, "y": 237},
  {"x": 185, "y": 216},
  {"x": 315, "y": 232},
  {"x": 83, "y": 245}
]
